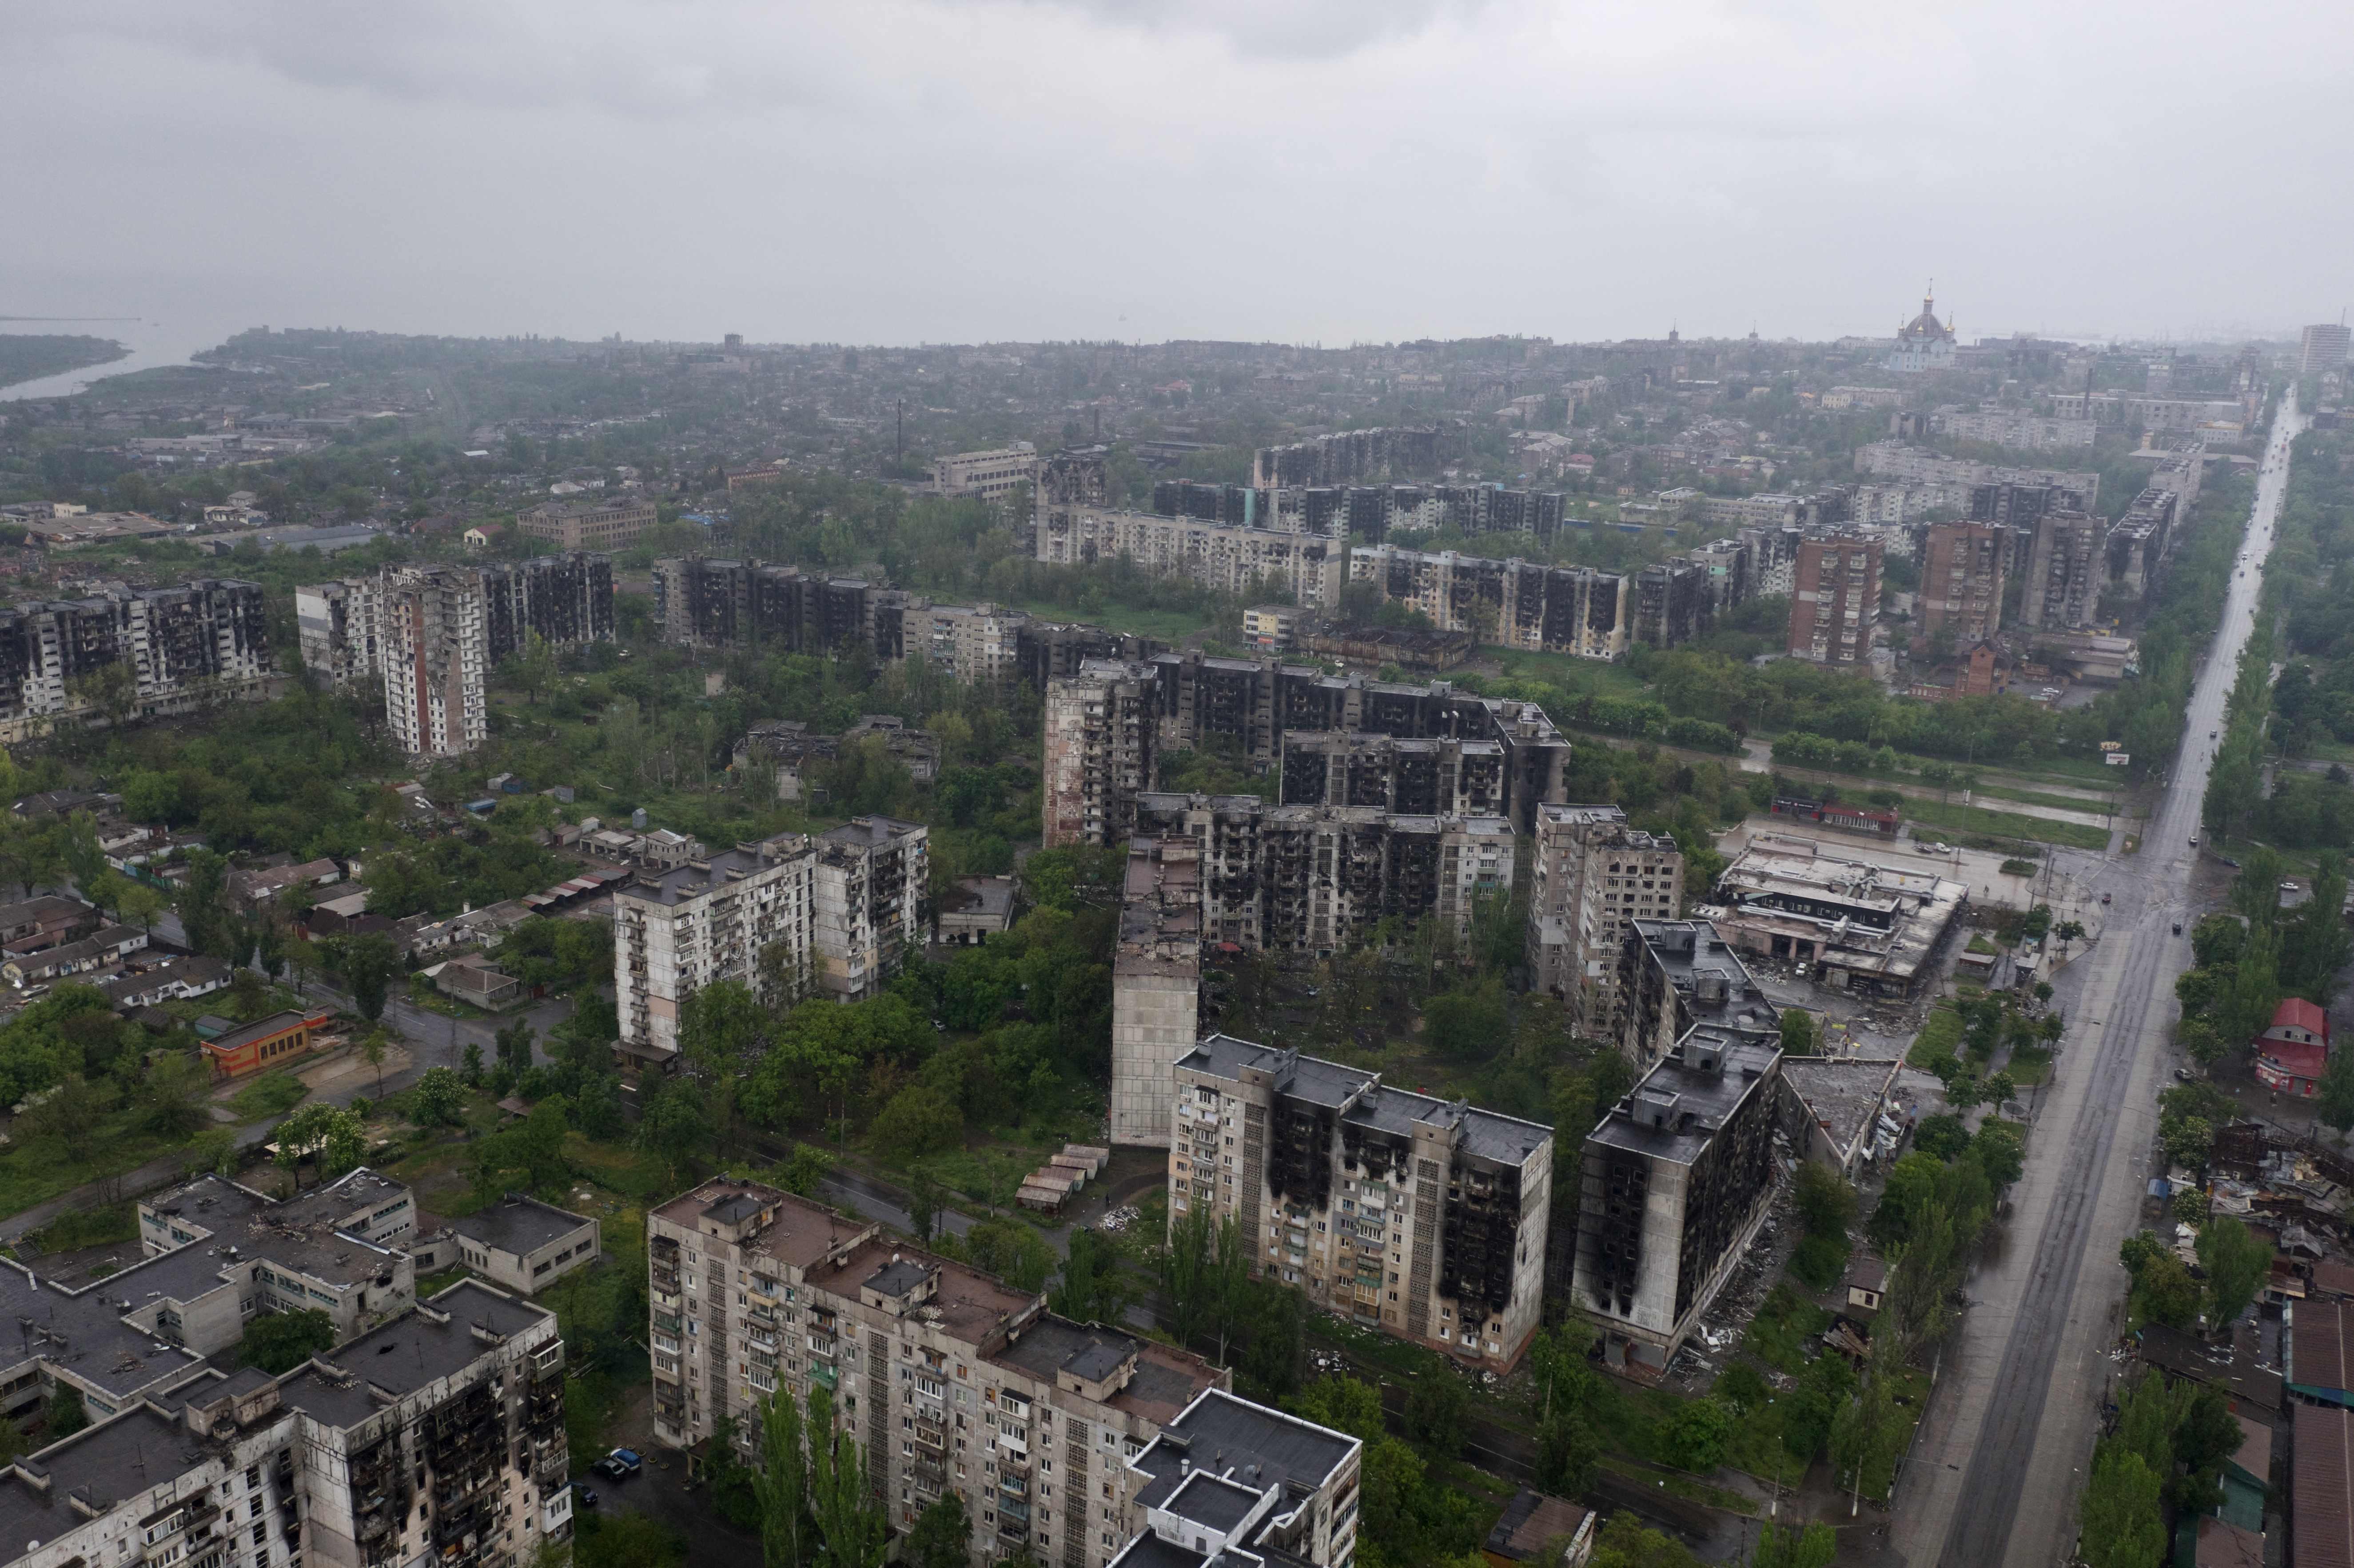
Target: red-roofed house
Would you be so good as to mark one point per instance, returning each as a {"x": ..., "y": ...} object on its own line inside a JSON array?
[{"x": 2291, "y": 1055}]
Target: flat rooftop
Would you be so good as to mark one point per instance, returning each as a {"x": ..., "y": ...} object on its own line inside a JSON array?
[
  {"x": 1220, "y": 1429},
  {"x": 102, "y": 1466},
  {"x": 415, "y": 1349},
  {"x": 1696, "y": 1101},
  {"x": 714, "y": 872},
  {"x": 800, "y": 1232},
  {"x": 1367, "y": 1101},
  {"x": 519, "y": 1224},
  {"x": 1164, "y": 1382},
  {"x": 1842, "y": 1093}
]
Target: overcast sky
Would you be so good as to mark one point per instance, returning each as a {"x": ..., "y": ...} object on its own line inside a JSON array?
[{"x": 898, "y": 171}]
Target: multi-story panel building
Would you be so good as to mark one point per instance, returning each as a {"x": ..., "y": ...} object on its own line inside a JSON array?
[
  {"x": 202, "y": 642},
  {"x": 2137, "y": 544},
  {"x": 1232, "y": 1482},
  {"x": 980, "y": 644},
  {"x": 340, "y": 625},
  {"x": 710, "y": 602},
  {"x": 438, "y": 1436},
  {"x": 1245, "y": 562},
  {"x": 1674, "y": 975},
  {"x": 2064, "y": 573},
  {"x": 2004, "y": 428},
  {"x": 1316, "y": 879},
  {"x": 2322, "y": 349},
  {"x": 1961, "y": 589},
  {"x": 990, "y": 476},
  {"x": 1517, "y": 604},
  {"x": 1156, "y": 979},
  {"x": 872, "y": 876},
  {"x": 1423, "y": 1219},
  {"x": 746, "y": 913},
  {"x": 1347, "y": 457},
  {"x": 599, "y": 525},
  {"x": 1441, "y": 777},
  {"x": 1675, "y": 603},
  {"x": 949, "y": 1379},
  {"x": 442, "y": 630},
  {"x": 1101, "y": 728},
  {"x": 1919, "y": 465},
  {"x": 1592, "y": 876},
  {"x": 1673, "y": 1187},
  {"x": 1835, "y": 601}
]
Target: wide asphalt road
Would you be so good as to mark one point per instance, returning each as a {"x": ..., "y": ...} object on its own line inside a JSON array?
[{"x": 1996, "y": 1473}]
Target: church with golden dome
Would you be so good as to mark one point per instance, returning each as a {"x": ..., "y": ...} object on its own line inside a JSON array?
[{"x": 1924, "y": 343}]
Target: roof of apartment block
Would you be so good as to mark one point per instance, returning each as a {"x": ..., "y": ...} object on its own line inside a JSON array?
[
  {"x": 417, "y": 1348},
  {"x": 1165, "y": 1380},
  {"x": 1371, "y": 1103},
  {"x": 713, "y": 873},
  {"x": 972, "y": 1305},
  {"x": 1697, "y": 1099},
  {"x": 869, "y": 833},
  {"x": 1264, "y": 1447},
  {"x": 800, "y": 1233},
  {"x": 101, "y": 1466},
  {"x": 519, "y": 1224}
]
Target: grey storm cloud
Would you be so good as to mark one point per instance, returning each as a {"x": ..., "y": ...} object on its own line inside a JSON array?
[{"x": 1320, "y": 170}]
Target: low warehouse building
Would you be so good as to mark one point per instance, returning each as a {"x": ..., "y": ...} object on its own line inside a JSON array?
[{"x": 525, "y": 1244}]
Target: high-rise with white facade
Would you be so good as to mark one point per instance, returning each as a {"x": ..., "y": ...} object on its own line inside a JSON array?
[{"x": 442, "y": 630}]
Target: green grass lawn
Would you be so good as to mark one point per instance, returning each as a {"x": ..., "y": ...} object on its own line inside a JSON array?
[
  {"x": 31, "y": 1174},
  {"x": 86, "y": 1227},
  {"x": 2010, "y": 824},
  {"x": 1169, "y": 625},
  {"x": 1598, "y": 676},
  {"x": 1778, "y": 1336},
  {"x": 273, "y": 1094},
  {"x": 1940, "y": 1037},
  {"x": 2028, "y": 1066}
]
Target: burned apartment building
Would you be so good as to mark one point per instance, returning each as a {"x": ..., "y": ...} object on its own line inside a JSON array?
[
  {"x": 2139, "y": 540},
  {"x": 951, "y": 1380},
  {"x": 440, "y": 631},
  {"x": 1349, "y": 457},
  {"x": 1674, "y": 975},
  {"x": 1371, "y": 513},
  {"x": 1247, "y": 562},
  {"x": 832, "y": 914},
  {"x": 2065, "y": 571},
  {"x": 437, "y": 1435},
  {"x": 1527, "y": 605},
  {"x": 1316, "y": 879},
  {"x": 339, "y": 627},
  {"x": 1591, "y": 878},
  {"x": 1107, "y": 728},
  {"x": 1960, "y": 598},
  {"x": 1835, "y": 601},
  {"x": 1673, "y": 1188},
  {"x": 705, "y": 602},
  {"x": 1675, "y": 603},
  {"x": 1424, "y": 1219},
  {"x": 1156, "y": 982},
  {"x": 185, "y": 646}
]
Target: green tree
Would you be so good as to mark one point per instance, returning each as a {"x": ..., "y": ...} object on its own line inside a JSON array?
[
  {"x": 1796, "y": 1546},
  {"x": 339, "y": 1137},
  {"x": 67, "y": 1118},
  {"x": 140, "y": 904},
  {"x": 2334, "y": 1101},
  {"x": 918, "y": 1121},
  {"x": 923, "y": 1204},
  {"x": 781, "y": 1486},
  {"x": 2122, "y": 1525},
  {"x": 369, "y": 963},
  {"x": 173, "y": 1098},
  {"x": 64, "y": 1415},
  {"x": 1184, "y": 1268},
  {"x": 373, "y": 1050},
  {"x": 1694, "y": 1438},
  {"x": 277, "y": 1342},
  {"x": 1625, "y": 1543},
  {"x": 1094, "y": 1287},
  {"x": 1799, "y": 1038},
  {"x": 1437, "y": 1411},
  {"x": 942, "y": 1536},
  {"x": 674, "y": 1124},
  {"x": 849, "y": 1521},
  {"x": 438, "y": 1098},
  {"x": 2237, "y": 1262}
]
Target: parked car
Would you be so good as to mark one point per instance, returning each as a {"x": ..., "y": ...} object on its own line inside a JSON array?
[
  {"x": 588, "y": 1495},
  {"x": 2178, "y": 927},
  {"x": 2227, "y": 860},
  {"x": 620, "y": 1465},
  {"x": 2105, "y": 899},
  {"x": 2288, "y": 887}
]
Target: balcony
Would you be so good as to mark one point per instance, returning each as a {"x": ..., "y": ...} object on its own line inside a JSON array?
[
  {"x": 929, "y": 1436},
  {"x": 669, "y": 1323},
  {"x": 824, "y": 1376}
]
